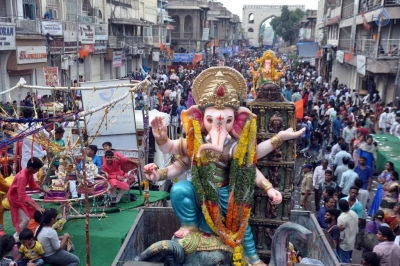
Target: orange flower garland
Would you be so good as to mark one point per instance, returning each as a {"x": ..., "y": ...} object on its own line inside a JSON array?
[{"x": 231, "y": 227}]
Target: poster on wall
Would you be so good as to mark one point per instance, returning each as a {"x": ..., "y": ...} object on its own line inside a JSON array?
[{"x": 51, "y": 76}]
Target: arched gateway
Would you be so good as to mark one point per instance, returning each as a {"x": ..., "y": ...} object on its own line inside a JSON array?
[{"x": 255, "y": 15}]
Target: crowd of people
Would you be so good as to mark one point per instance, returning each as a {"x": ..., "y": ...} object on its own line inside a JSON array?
[
  {"x": 341, "y": 157},
  {"x": 337, "y": 177}
]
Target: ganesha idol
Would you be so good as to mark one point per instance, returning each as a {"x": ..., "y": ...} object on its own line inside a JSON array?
[{"x": 221, "y": 151}]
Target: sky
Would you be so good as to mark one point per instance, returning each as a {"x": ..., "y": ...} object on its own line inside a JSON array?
[{"x": 236, "y": 6}]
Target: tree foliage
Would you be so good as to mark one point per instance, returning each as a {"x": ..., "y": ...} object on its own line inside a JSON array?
[{"x": 286, "y": 26}]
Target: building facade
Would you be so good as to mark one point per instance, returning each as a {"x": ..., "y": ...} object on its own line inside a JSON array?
[
  {"x": 96, "y": 40},
  {"x": 363, "y": 38}
]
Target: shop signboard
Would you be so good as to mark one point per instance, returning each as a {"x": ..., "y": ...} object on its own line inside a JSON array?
[
  {"x": 117, "y": 59},
  {"x": 31, "y": 54},
  {"x": 70, "y": 47},
  {"x": 7, "y": 37},
  {"x": 86, "y": 34},
  {"x": 51, "y": 27},
  {"x": 100, "y": 47},
  {"x": 101, "y": 32}
]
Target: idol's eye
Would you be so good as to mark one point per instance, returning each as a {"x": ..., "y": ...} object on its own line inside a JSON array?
[
  {"x": 229, "y": 120},
  {"x": 209, "y": 120}
]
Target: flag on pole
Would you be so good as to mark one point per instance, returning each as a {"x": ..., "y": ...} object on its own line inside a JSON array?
[{"x": 299, "y": 109}]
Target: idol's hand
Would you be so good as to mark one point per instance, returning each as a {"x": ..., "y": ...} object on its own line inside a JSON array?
[
  {"x": 151, "y": 172},
  {"x": 158, "y": 127},
  {"x": 274, "y": 195},
  {"x": 289, "y": 134}
]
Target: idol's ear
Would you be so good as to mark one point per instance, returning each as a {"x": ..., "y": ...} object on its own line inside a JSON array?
[
  {"x": 241, "y": 117},
  {"x": 193, "y": 112}
]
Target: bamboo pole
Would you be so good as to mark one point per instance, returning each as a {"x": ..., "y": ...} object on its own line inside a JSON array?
[{"x": 85, "y": 186}]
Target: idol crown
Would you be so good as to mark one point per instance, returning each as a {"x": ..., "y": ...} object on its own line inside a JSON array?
[{"x": 219, "y": 94}]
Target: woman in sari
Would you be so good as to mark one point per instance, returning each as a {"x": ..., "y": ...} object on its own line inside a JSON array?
[
  {"x": 380, "y": 193},
  {"x": 392, "y": 193},
  {"x": 359, "y": 140},
  {"x": 368, "y": 150},
  {"x": 392, "y": 218}
]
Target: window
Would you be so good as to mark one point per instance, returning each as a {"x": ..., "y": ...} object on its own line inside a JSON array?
[
  {"x": 250, "y": 30},
  {"x": 29, "y": 7},
  {"x": 251, "y": 18},
  {"x": 71, "y": 11},
  {"x": 188, "y": 24},
  {"x": 86, "y": 8}
]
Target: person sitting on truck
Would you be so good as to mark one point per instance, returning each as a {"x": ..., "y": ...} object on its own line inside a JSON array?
[
  {"x": 91, "y": 151},
  {"x": 118, "y": 179}
]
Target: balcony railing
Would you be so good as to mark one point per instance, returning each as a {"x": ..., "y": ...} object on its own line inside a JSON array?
[
  {"x": 188, "y": 35},
  {"x": 28, "y": 26},
  {"x": 82, "y": 19},
  {"x": 120, "y": 42},
  {"x": 370, "y": 5},
  {"x": 201, "y": 3},
  {"x": 389, "y": 47},
  {"x": 366, "y": 47},
  {"x": 136, "y": 40},
  {"x": 176, "y": 35},
  {"x": 391, "y": 3},
  {"x": 5, "y": 19},
  {"x": 348, "y": 11},
  {"x": 344, "y": 44}
]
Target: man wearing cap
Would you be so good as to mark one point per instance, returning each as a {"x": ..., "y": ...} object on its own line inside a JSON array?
[{"x": 306, "y": 188}]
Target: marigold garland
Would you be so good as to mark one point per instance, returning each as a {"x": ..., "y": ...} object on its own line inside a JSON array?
[
  {"x": 252, "y": 141},
  {"x": 231, "y": 227}
]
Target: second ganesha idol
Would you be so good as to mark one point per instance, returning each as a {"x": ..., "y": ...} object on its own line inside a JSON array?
[{"x": 221, "y": 151}]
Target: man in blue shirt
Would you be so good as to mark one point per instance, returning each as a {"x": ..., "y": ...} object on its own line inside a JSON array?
[
  {"x": 336, "y": 128},
  {"x": 91, "y": 151},
  {"x": 329, "y": 202},
  {"x": 364, "y": 173}
]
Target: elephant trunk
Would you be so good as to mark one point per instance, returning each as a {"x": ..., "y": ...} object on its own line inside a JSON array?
[
  {"x": 218, "y": 137},
  {"x": 162, "y": 249},
  {"x": 279, "y": 248}
]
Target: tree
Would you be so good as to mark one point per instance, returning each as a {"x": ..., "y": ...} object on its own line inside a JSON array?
[{"x": 286, "y": 26}]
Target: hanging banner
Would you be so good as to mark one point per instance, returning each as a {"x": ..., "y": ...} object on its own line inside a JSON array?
[
  {"x": 117, "y": 59},
  {"x": 51, "y": 76}
]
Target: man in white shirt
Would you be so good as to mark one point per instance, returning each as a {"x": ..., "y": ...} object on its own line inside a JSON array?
[
  {"x": 339, "y": 156},
  {"x": 394, "y": 125},
  {"x": 348, "y": 225},
  {"x": 341, "y": 169},
  {"x": 384, "y": 121},
  {"x": 348, "y": 179},
  {"x": 337, "y": 148},
  {"x": 392, "y": 117},
  {"x": 318, "y": 178},
  {"x": 164, "y": 78},
  {"x": 363, "y": 196},
  {"x": 349, "y": 133},
  {"x": 29, "y": 150}
]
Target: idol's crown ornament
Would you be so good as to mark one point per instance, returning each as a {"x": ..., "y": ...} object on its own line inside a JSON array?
[
  {"x": 219, "y": 87},
  {"x": 219, "y": 94}
]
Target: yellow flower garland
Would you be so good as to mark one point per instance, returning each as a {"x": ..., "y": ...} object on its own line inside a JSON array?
[
  {"x": 252, "y": 141},
  {"x": 208, "y": 219},
  {"x": 243, "y": 143},
  {"x": 197, "y": 140}
]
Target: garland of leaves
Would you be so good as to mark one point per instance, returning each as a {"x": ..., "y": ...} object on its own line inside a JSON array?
[{"x": 231, "y": 227}]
